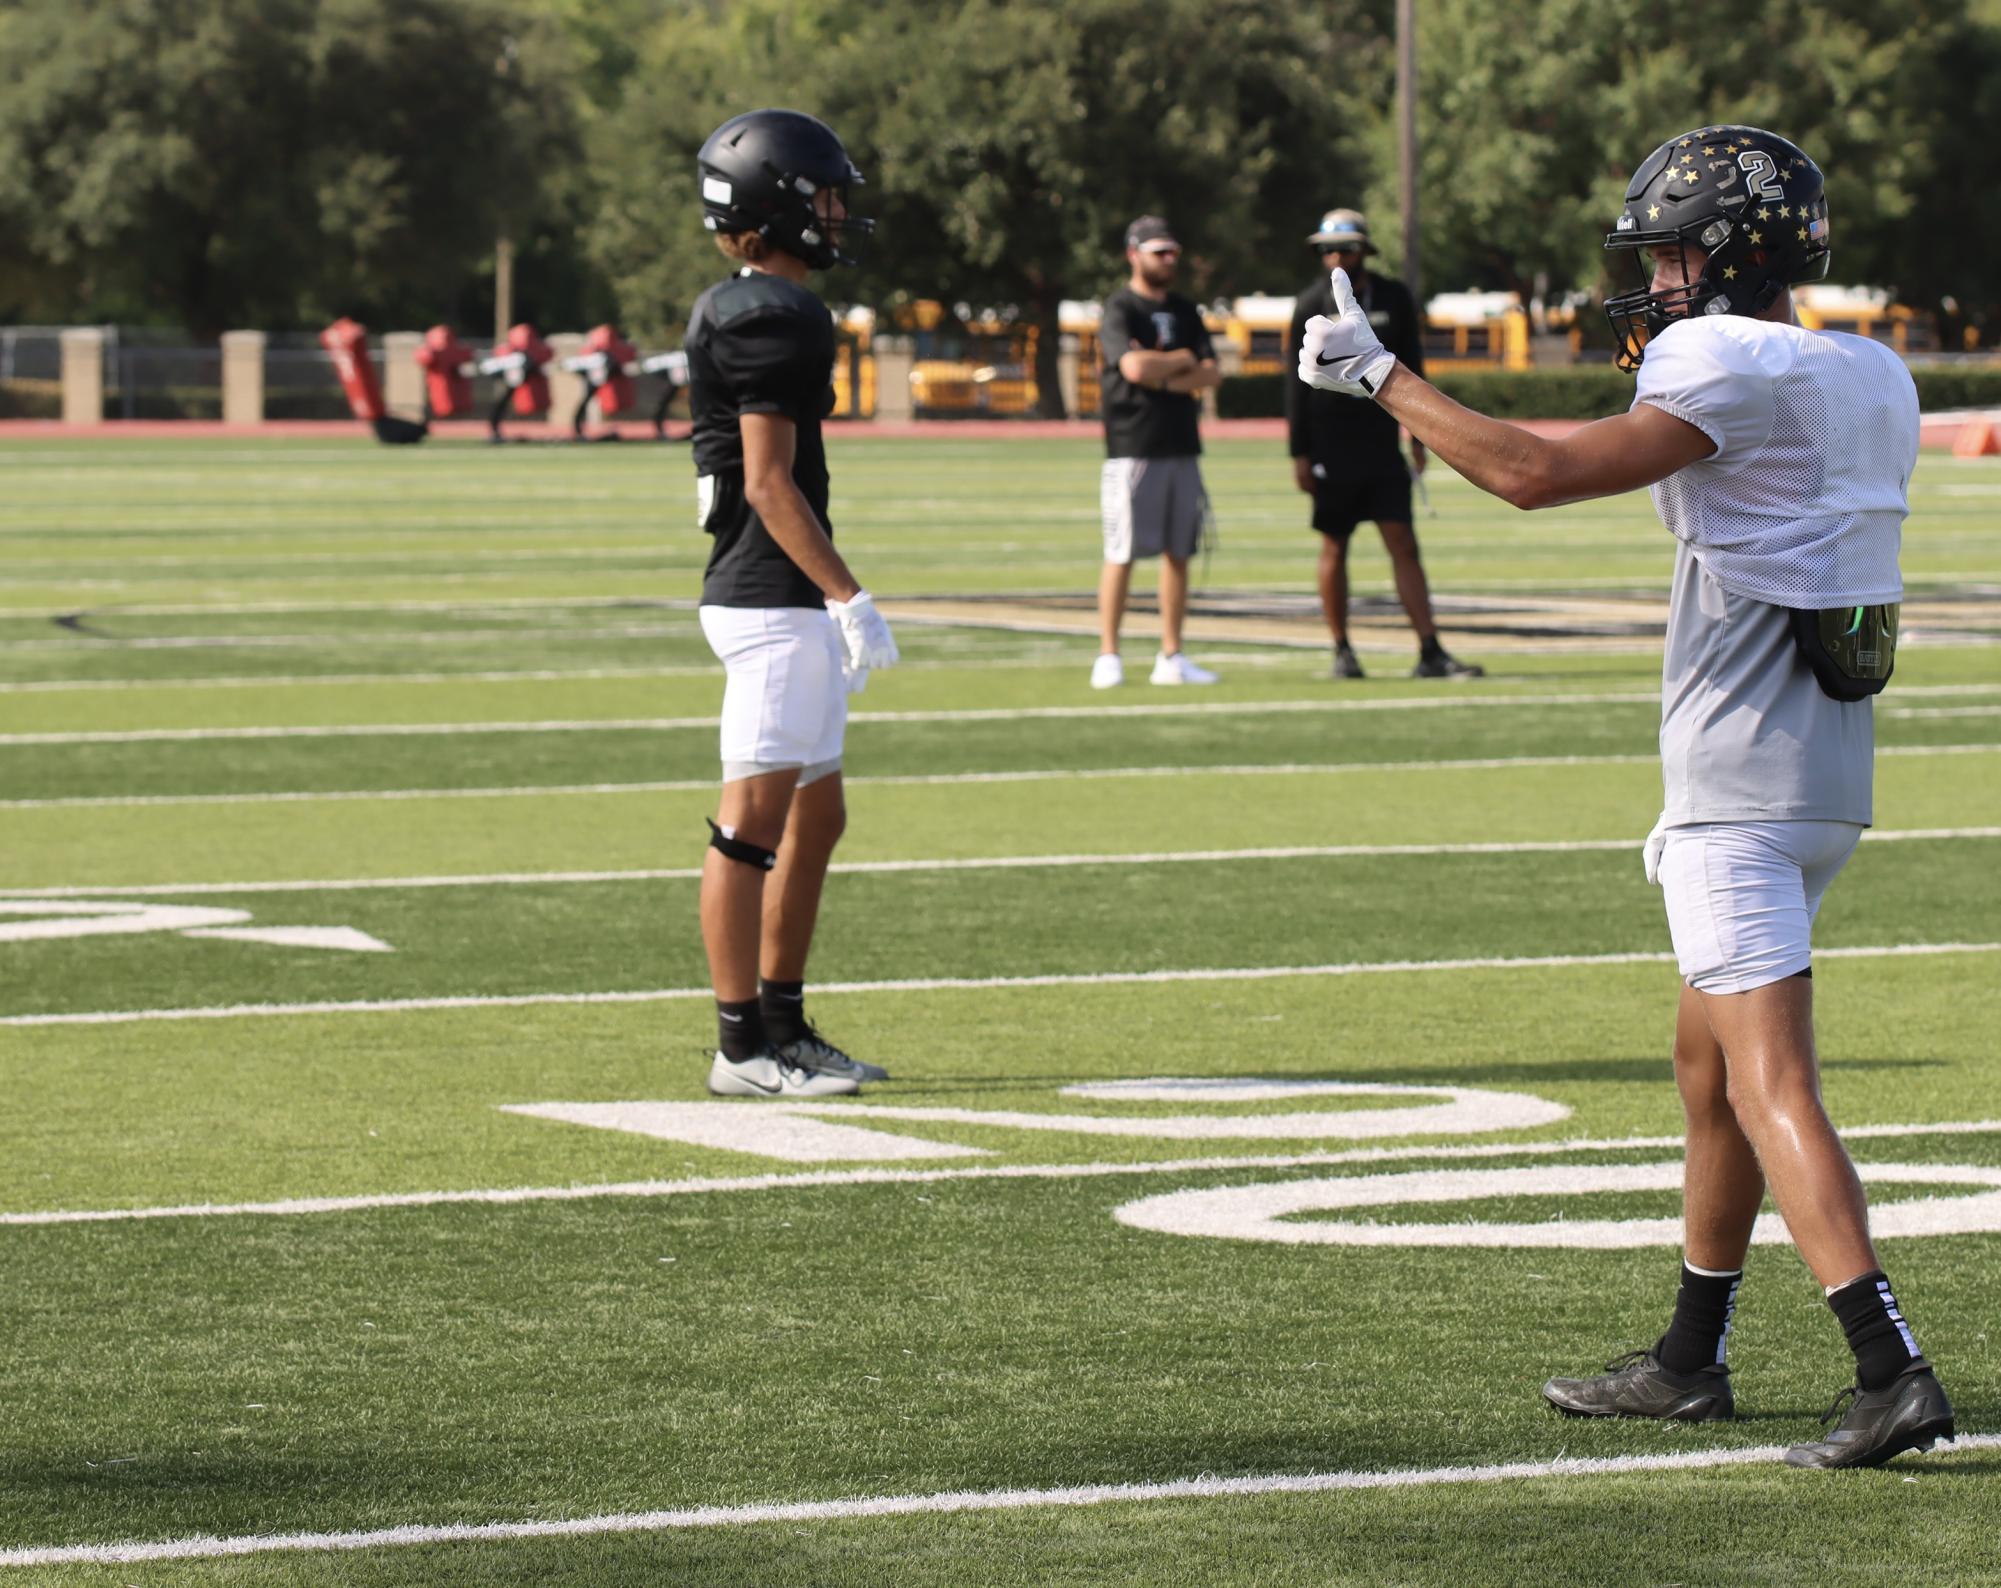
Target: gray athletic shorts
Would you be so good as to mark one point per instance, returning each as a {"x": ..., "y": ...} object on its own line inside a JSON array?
[{"x": 1151, "y": 505}]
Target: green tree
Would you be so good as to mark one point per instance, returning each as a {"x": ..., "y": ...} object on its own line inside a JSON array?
[
  {"x": 1025, "y": 138},
  {"x": 1532, "y": 117},
  {"x": 268, "y": 162},
  {"x": 1020, "y": 138}
]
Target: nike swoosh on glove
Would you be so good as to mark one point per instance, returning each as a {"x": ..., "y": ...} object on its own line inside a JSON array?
[
  {"x": 1343, "y": 354},
  {"x": 865, "y": 633}
]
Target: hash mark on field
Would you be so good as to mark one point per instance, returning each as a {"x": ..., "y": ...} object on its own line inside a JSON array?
[
  {"x": 955, "y": 1503},
  {"x": 98, "y": 1017},
  {"x": 1158, "y": 857}
]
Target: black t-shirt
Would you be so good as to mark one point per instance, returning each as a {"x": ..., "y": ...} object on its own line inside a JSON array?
[
  {"x": 1141, "y": 422},
  {"x": 757, "y": 344},
  {"x": 1351, "y": 434}
]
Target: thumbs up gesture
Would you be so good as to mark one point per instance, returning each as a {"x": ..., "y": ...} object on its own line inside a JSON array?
[{"x": 1342, "y": 354}]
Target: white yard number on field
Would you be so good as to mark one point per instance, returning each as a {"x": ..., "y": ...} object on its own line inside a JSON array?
[
  {"x": 1284, "y": 1212},
  {"x": 37, "y": 920},
  {"x": 807, "y": 1132}
]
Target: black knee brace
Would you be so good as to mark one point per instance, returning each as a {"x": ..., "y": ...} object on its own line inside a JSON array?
[{"x": 743, "y": 853}]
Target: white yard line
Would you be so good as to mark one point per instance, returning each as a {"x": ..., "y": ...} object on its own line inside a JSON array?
[
  {"x": 1493, "y": 763},
  {"x": 949, "y": 1504},
  {"x": 1054, "y": 657},
  {"x": 197, "y": 609},
  {"x": 819, "y": 1179},
  {"x": 1456, "y": 700},
  {"x": 1162, "y": 857},
  {"x": 105, "y": 1017}
]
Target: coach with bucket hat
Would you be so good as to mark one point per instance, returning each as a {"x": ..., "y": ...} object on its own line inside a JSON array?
[{"x": 1345, "y": 451}]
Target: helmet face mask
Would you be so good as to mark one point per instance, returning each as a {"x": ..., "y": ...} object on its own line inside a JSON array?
[
  {"x": 1749, "y": 204},
  {"x": 785, "y": 177}
]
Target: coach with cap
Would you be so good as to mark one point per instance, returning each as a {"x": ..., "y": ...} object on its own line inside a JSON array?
[
  {"x": 1158, "y": 359},
  {"x": 1345, "y": 452}
]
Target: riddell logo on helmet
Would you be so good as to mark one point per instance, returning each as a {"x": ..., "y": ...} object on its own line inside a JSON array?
[{"x": 1627, "y": 223}]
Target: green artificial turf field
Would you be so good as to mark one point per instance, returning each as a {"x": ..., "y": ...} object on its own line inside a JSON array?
[{"x": 423, "y": 1220}]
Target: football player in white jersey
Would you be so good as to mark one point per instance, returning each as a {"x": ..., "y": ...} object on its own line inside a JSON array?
[{"x": 1779, "y": 458}]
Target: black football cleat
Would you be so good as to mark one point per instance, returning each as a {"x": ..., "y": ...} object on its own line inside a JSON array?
[
  {"x": 1636, "y": 1385},
  {"x": 1446, "y": 665},
  {"x": 1909, "y": 1413}
]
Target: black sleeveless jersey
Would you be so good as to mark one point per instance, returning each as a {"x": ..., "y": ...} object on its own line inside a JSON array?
[{"x": 757, "y": 344}]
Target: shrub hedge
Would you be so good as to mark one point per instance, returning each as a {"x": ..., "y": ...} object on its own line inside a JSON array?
[{"x": 1583, "y": 391}]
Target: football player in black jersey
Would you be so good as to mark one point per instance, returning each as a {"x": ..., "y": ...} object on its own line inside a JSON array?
[{"x": 794, "y": 628}]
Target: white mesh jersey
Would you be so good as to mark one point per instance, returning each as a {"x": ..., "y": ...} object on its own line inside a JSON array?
[{"x": 1801, "y": 505}]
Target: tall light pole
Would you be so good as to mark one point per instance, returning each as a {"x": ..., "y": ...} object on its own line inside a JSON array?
[{"x": 1407, "y": 142}]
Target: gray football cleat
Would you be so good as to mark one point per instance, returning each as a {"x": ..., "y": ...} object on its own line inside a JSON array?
[
  {"x": 770, "y": 1074},
  {"x": 1346, "y": 664},
  {"x": 1636, "y": 1385},
  {"x": 815, "y": 1052},
  {"x": 1909, "y": 1413}
]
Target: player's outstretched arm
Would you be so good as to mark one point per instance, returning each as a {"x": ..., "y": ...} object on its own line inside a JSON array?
[
  {"x": 1605, "y": 458},
  {"x": 1342, "y": 353},
  {"x": 769, "y": 445}
]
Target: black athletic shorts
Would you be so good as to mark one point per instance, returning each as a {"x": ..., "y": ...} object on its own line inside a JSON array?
[{"x": 1341, "y": 501}]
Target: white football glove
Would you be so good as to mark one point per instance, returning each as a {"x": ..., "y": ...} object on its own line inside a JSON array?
[
  {"x": 1343, "y": 354},
  {"x": 1650, "y": 851},
  {"x": 866, "y": 635}
]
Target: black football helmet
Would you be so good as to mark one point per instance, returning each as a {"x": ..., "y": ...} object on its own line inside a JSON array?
[
  {"x": 1749, "y": 199},
  {"x": 760, "y": 172}
]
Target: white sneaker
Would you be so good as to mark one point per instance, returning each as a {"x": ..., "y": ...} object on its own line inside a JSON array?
[
  {"x": 1108, "y": 672},
  {"x": 1178, "y": 669},
  {"x": 767, "y": 1075},
  {"x": 815, "y": 1052}
]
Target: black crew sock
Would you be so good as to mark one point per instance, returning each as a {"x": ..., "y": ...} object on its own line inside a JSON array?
[
  {"x": 1701, "y": 1324},
  {"x": 784, "y": 1006},
  {"x": 740, "y": 1027},
  {"x": 1429, "y": 649},
  {"x": 1876, "y": 1330}
]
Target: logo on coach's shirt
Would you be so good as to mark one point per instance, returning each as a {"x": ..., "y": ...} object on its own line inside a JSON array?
[{"x": 1163, "y": 327}]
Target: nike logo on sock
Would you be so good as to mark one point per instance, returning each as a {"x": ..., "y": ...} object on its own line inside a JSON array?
[{"x": 735, "y": 1020}]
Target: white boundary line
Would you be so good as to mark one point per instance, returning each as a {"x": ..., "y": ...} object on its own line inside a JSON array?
[
  {"x": 1163, "y": 857},
  {"x": 958, "y": 1502},
  {"x": 818, "y": 1179},
  {"x": 105, "y": 1017},
  {"x": 915, "y": 779}
]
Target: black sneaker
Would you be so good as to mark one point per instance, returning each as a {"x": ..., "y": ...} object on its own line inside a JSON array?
[
  {"x": 815, "y": 1052},
  {"x": 1443, "y": 664},
  {"x": 1909, "y": 1413},
  {"x": 1636, "y": 1385},
  {"x": 1346, "y": 664}
]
